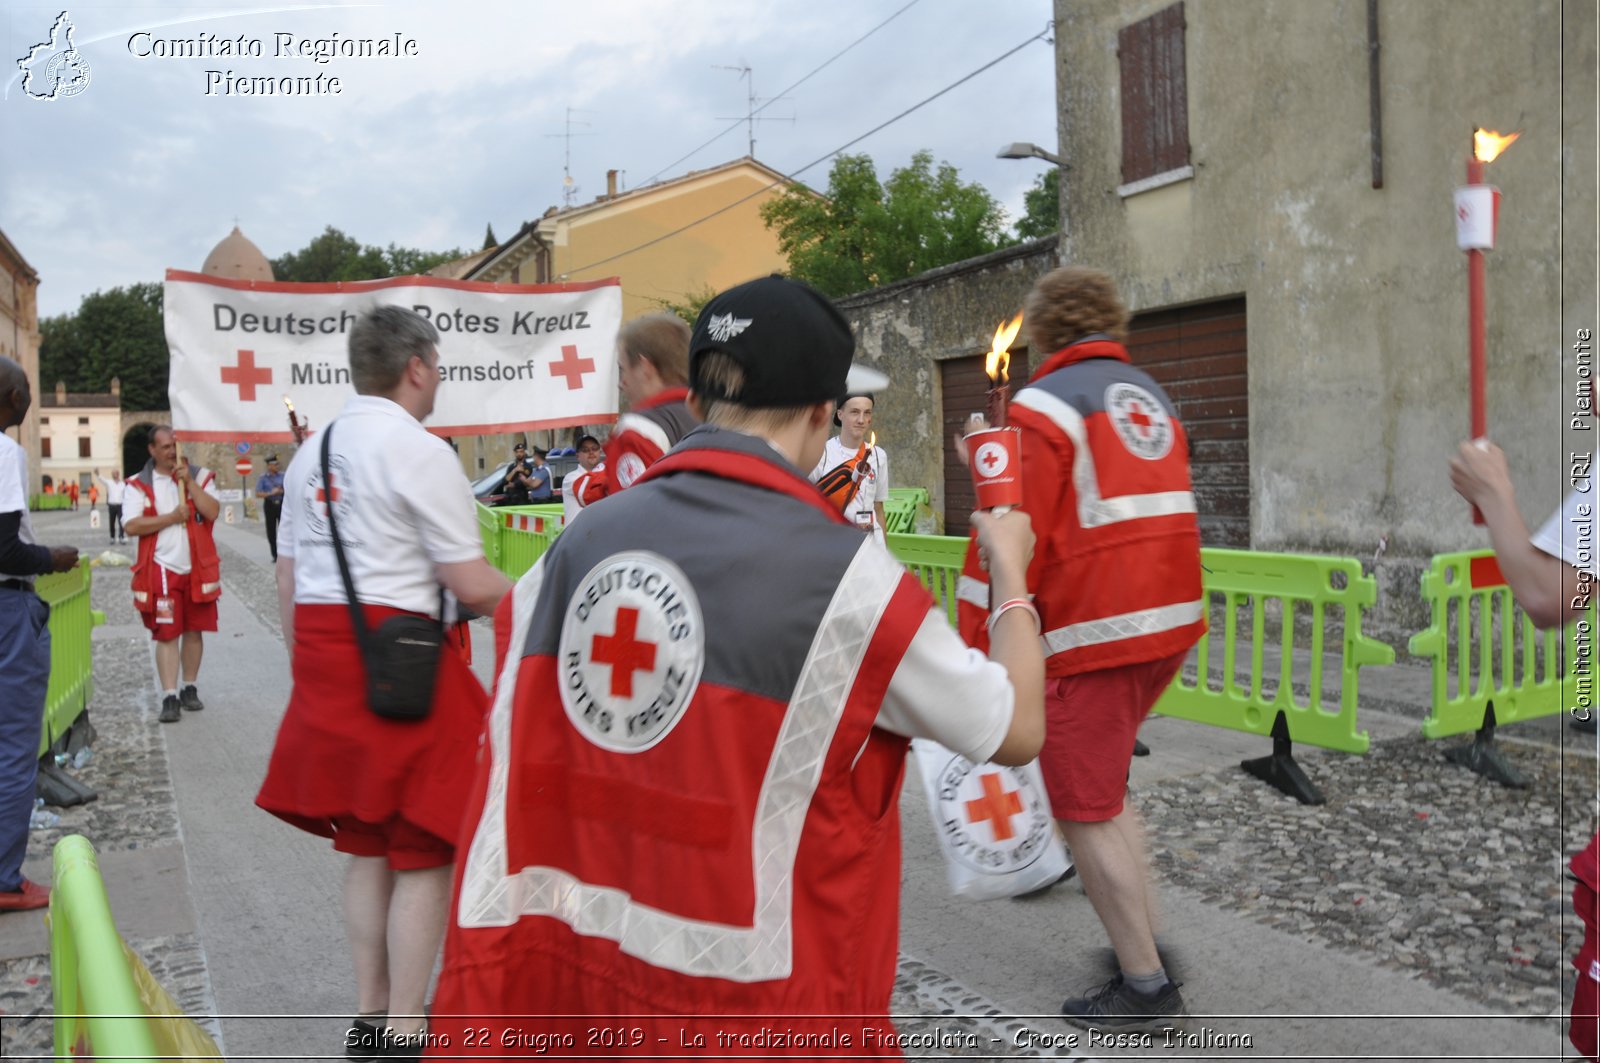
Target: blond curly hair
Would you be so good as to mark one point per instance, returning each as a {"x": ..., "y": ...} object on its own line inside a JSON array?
[{"x": 1070, "y": 303}]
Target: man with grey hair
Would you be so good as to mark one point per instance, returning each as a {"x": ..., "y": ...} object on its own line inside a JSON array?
[{"x": 389, "y": 793}]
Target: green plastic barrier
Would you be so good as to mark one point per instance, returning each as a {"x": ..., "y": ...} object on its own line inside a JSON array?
[
  {"x": 1488, "y": 654},
  {"x": 1303, "y": 583},
  {"x": 936, "y": 560},
  {"x": 98, "y": 1010},
  {"x": 900, "y": 511},
  {"x": 489, "y": 532},
  {"x": 71, "y": 659},
  {"x": 39, "y": 502},
  {"x": 526, "y": 532}
]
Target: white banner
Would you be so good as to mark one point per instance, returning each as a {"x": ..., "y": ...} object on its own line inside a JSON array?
[{"x": 512, "y": 357}]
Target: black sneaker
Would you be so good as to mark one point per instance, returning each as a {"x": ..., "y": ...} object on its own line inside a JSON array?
[
  {"x": 190, "y": 697},
  {"x": 363, "y": 1041},
  {"x": 1118, "y": 1006},
  {"x": 169, "y": 710}
]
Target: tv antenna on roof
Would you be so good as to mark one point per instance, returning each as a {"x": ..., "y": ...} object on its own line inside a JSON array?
[
  {"x": 569, "y": 187},
  {"x": 750, "y": 117}
]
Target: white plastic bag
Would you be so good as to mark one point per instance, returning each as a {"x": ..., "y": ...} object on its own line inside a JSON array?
[{"x": 994, "y": 824}]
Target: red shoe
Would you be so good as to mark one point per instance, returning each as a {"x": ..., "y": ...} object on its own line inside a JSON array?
[{"x": 30, "y": 896}]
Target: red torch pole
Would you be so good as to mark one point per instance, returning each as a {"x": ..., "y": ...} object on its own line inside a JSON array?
[{"x": 1477, "y": 356}]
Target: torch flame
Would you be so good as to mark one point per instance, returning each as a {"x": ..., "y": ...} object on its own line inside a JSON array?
[
  {"x": 287, "y": 402},
  {"x": 872, "y": 440},
  {"x": 998, "y": 362},
  {"x": 1487, "y": 144}
]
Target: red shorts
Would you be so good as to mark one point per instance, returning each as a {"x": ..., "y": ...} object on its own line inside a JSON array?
[
  {"x": 407, "y": 847},
  {"x": 1091, "y": 721},
  {"x": 186, "y": 615}
]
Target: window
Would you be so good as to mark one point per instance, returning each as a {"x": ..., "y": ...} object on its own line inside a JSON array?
[
  {"x": 1155, "y": 97},
  {"x": 83, "y": 420},
  {"x": 44, "y": 420},
  {"x": 83, "y": 447},
  {"x": 44, "y": 446}
]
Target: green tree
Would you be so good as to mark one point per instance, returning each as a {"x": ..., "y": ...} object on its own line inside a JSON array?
[
  {"x": 1041, "y": 207},
  {"x": 488, "y": 238},
  {"x": 864, "y": 234},
  {"x": 693, "y": 302},
  {"x": 119, "y": 334},
  {"x": 59, "y": 351},
  {"x": 334, "y": 256}
]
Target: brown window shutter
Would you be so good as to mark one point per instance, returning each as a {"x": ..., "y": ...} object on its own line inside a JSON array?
[{"x": 1138, "y": 147}]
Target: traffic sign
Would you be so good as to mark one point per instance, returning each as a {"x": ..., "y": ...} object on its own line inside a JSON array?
[
  {"x": 243, "y": 466},
  {"x": 242, "y": 447}
]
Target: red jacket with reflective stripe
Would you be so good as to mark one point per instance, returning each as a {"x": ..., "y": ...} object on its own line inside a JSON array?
[
  {"x": 644, "y": 434},
  {"x": 205, "y": 566},
  {"x": 1105, "y": 475}
]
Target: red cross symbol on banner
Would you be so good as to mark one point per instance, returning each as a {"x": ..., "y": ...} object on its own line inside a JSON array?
[
  {"x": 624, "y": 653},
  {"x": 246, "y": 375},
  {"x": 1139, "y": 419},
  {"x": 572, "y": 367},
  {"x": 327, "y": 496},
  {"x": 997, "y": 805}
]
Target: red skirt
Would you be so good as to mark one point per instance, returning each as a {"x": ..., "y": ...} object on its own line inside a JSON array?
[{"x": 334, "y": 757}]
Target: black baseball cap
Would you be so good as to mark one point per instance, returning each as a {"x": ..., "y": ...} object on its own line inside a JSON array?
[{"x": 793, "y": 344}]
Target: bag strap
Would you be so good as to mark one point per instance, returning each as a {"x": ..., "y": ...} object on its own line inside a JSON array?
[{"x": 357, "y": 617}]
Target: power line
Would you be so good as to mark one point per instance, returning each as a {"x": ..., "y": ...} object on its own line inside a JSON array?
[
  {"x": 785, "y": 92},
  {"x": 822, "y": 158}
]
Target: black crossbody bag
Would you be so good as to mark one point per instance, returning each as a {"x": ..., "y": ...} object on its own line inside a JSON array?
[{"x": 402, "y": 655}]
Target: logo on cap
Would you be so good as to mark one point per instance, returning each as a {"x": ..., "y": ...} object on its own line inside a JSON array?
[
  {"x": 724, "y": 327},
  {"x": 1141, "y": 421},
  {"x": 631, "y": 652}
]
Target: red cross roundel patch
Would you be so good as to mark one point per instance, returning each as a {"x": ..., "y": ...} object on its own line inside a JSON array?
[
  {"x": 992, "y": 820},
  {"x": 631, "y": 652},
  {"x": 1141, "y": 421}
]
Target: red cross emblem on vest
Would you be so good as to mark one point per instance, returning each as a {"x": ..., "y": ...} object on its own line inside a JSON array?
[
  {"x": 997, "y": 805},
  {"x": 327, "y": 495},
  {"x": 1140, "y": 420},
  {"x": 624, "y": 652}
]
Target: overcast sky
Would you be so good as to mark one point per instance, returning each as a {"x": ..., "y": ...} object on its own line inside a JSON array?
[{"x": 142, "y": 170}]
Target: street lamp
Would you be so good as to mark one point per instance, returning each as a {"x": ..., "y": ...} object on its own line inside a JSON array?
[{"x": 1023, "y": 150}]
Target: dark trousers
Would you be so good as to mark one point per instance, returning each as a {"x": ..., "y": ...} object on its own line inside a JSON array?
[
  {"x": 271, "y": 510},
  {"x": 24, "y": 674},
  {"x": 114, "y": 512}
]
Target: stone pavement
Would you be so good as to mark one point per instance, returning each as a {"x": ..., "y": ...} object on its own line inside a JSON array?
[{"x": 1419, "y": 913}]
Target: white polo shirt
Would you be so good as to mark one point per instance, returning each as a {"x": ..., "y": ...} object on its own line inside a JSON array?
[
  {"x": 114, "y": 490},
  {"x": 572, "y": 486},
  {"x": 874, "y": 484},
  {"x": 402, "y": 503},
  {"x": 14, "y": 493},
  {"x": 172, "y": 542}
]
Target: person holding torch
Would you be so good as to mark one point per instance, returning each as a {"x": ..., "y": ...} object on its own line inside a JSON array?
[{"x": 1116, "y": 580}]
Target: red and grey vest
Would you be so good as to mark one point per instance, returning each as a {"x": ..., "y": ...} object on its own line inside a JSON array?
[
  {"x": 205, "y": 567},
  {"x": 1105, "y": 477},
  {"x": 644, "y": 434},
  {"x": 684, "y": 807}
]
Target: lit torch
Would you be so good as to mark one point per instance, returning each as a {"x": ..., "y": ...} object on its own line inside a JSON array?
[
  {"x": 997, "y": 365},
  {"x": 296, "y": 429},
  {"x": 1477, "y": 213}
]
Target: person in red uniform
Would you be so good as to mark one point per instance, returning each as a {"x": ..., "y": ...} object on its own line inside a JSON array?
[
  {"x": 686, "y": 815},
  {"x": 177, "y": 575},
  {"x": 586, "y": 484},
  {"x": 388, "y": 793},
  {"x": 1105, "y": 476},
  {"x": 653, "y": 367}
]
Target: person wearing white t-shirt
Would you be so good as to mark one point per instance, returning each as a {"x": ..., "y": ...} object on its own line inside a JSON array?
[
  {"x": 390, "y": 794},
  {"x": 116, "y": 491},
  {"x": 854, "y": 473},
  {"x": 588, "y": 484}
]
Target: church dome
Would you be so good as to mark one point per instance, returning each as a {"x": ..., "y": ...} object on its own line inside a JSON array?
[{"x": 236, "y": 258}]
